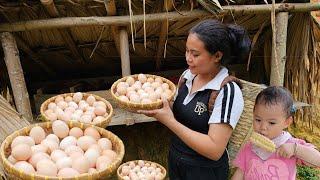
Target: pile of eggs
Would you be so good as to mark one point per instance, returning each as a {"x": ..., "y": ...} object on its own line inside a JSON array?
[
  {"x": 141, "y": 170},
  {"x": 63, "y": 153},
  {"x": 77, "y": 108},
  {"x": 144, "y": 90}
]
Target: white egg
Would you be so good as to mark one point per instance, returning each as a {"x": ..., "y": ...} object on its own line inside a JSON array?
[
  {"x": 124, "y": 98},
  {"x": 90, "y": 100},
  {"x": 134, "y": 98},
  {"x": 52, "y": 106},
  {"x": 130, "y": 80},
  {"x": 142, "y": 78},
  {"x": 165, "y": 86},
  {"x": 121, "y": 90},
  {"x": 73, "y": 104},
  {"x": 68, "y": 141},
  {"x": 146, "y": 84},
  {"x": 77, "y": 97},
  {"x": 123, "y": 84}
]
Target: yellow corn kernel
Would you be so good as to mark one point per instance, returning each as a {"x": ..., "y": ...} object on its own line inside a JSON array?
[{"x": 262, "y": 142}]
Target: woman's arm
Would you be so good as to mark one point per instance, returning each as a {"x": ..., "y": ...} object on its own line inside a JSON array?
[
  {"x": 211, "y": 145},
  {"x": 238, "y": 175}
]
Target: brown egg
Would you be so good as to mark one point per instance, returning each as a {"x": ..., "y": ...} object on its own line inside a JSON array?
[
  {"x": 68, "y": 173},
  {"x": 65, "y": 162},
  {"x": 111, "y": 154},
  {"x": 68, "y": 141},
  {"x": 47, "y": 168},
  {"x": 98, "y": 119},
  {"x": 76, "y": 132},
  {"x": 37, "y": 134},
  {"x": 100, "y": 111},
  {"x": 58, "y": 154},
  {"x": 100, "y": 103},
  {"x": 155, "y": 85},
  {"x": 21, "y": 152},
  {"x": 165, "y": 86},
  {"x": 60, "y": 128},
  {"x": 93, "y": 132},
  {"x": 150, "y": 80},
  {"x": 92, "y": 156},
  {"x": 125, "y": 170},
  {"x": 81, "y": 164},
  {"x": 68, "y": 99},
  {"x": 39, "y": 148},
  {"x": 12, "y": 160},
  {"x": 90, "y": 100},
  {"x": 54, "y": 138},
  {"x": 105, "y": 143},
  {"x": 142, "y": 78},
  {"x": 73, "y": 149},
  {"x": 58, "y": 99},
  {"x": 24, "y": 166},
  {"x": 158, "y": 79},
  {"x": 121, "y": 90},
  {"x": 22, "y": 140},
  {"x": 130, "y": 80},
  {"x": 77, "y": 97},
  {"x": 52, "y": 106},
  {"x": 50, "y": 144},
  {"x": 103, "y": 162},
  {"x": 85, "y": 142},
  {"x": 35, "y": 158}
]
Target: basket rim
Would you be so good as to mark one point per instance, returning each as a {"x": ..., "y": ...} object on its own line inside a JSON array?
[
  {"x": 146, "y": 161},
  {"x": 140, "y": 105},
  {"x": 106, "y": 119},
  {"x": 23, "y": 131}
]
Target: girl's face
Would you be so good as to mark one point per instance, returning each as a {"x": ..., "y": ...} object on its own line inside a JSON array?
[
  {"x": 200, "y": 61},
  {"x": 270, "y": 120}
]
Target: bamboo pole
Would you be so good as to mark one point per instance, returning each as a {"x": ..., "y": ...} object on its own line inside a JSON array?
[
  {"x": 18, "y": 84},
  {"x": 66, "y": 35},
  {"x": 168, "y": 6},
  {"x": 172, "y": 16},
  {"x": 124, "y": 52},
  {"x": 278, "y": 61}
]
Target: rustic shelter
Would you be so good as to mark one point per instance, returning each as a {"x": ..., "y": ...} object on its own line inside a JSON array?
[{"x": 52, "y": 47}]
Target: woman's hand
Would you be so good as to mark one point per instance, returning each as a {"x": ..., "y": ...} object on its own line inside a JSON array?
[
  {"x": 164, "y": 115},
  {"x": 286, "y": 150}
]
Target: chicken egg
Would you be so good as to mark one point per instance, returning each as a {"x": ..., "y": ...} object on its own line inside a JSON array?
[{"x": 77, "y": 97}]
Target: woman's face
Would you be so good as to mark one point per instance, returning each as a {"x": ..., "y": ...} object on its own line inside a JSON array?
[
  {"x": 270, "y": 120},
  {"x": 200, "y": 61}
]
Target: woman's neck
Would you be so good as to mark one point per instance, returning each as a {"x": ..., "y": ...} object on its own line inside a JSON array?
[{"x": 209, "y": 76}]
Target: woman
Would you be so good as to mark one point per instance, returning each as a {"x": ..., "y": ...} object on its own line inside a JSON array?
[{"x": 198, "y": 149}]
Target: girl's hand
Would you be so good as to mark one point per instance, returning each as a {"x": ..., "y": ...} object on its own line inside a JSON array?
[
  {"x": 164, "y": 115},
  {"x": 286, "y": 150}
]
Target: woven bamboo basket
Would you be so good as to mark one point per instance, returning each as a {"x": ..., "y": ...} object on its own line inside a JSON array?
[
  {"x": 243, "y": 129},
  {"x": 120, "y": 177},
  {"x": 136, "y": 106},
  {"x": 13, "y": 173},
  {"x": 104, "y": 123}
]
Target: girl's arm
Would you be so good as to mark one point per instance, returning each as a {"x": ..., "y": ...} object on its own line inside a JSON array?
[
  {"x": 308, "y": 154},
  {"x": 238, "y": 175}
]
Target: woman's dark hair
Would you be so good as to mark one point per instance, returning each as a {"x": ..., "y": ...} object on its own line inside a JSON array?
[
  {"x": 232, "y": 40},
  {"x": 275, "y": 95}
]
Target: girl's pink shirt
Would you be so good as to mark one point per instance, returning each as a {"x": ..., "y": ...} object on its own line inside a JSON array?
[{"x": 274, "y": 168}]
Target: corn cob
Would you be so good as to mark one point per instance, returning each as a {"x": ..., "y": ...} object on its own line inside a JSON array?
[{"x": 262, "y": 142}]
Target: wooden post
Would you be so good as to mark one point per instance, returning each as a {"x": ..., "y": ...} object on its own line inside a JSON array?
[
  {"x": 18, "y": 84},
  {"x": 124, "y": 52},
  {"x": 278, "y": 61},
  {"x": 112, "y": 11}
]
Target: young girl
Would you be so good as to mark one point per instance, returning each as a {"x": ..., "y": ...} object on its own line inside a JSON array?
[
  {"x": 272, "y": 114},
  {"x": 198, "y": 147}
]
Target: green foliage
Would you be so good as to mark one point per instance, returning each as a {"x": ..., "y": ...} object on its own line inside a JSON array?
[{"x": 307, "y": 173}]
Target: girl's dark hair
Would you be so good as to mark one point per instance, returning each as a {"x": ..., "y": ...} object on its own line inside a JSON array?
[
  {"x": 232, "y": 40},
  {"x": 275, "y": 95}
]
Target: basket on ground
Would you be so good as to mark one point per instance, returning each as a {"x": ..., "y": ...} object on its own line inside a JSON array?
[
  {"x": 102, "y": 122},
  {"x": 14, "y": 173},
  {"x": 148, "y": 165},
  {"x": 133, "y": 106}
]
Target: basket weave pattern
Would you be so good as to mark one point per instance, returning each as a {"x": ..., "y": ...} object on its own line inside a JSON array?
[
  {"x": 136, "y": 106},
  {"x": 243, "y": 129},
  {"x": 14, "y": 173},
  {"x": 104, "y": 123},
  {"x": 163, "y": 170}
]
